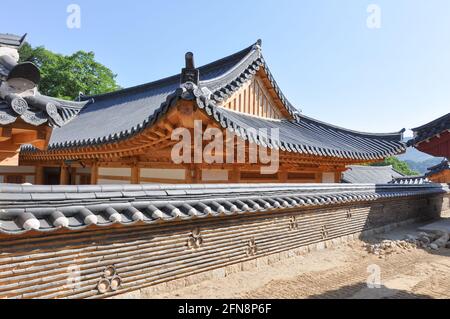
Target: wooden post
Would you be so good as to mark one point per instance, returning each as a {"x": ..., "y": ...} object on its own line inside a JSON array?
[
  {"x": 94, "y": 173},
  {"x": 318, "y": 178},
  {"x": 39, "y": 179},
  {"x": 338, "y": 176},
  {"x": 188, "y": 174},
  {"x": 135, "y": 175},
  {"x": 73, "y": 175},
  {"x": 197, "y": 177},
  {"x": 235, "y": 174},
  {"x": 64, "y": 175},
  {"x": 283, "y": 175}
]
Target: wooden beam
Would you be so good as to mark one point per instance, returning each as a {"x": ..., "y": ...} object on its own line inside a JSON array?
[
  {"x": 25, "y": 138},
  {"x": 5, "y": 133}
]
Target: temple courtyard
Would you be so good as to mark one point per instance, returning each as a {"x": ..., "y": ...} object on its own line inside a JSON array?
[{"x": 401, "y": 271}]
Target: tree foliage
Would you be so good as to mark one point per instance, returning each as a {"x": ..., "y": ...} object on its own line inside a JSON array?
[
  {"x": 400, "y": 166},
  {"x": 65, "y": 76}
]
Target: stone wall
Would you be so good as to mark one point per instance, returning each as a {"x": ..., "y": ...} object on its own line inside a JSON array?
[{"x": 131, "y": 261}]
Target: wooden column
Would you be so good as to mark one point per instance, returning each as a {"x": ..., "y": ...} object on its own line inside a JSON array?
[
  {"x": 188, "y": 174},
  {"x": 39, "y": 179},
  {"x": 235, "y": 175},
  {"x": 64, "y": 175},
  {"x": 135, "y": 175},
  {"x": 283, "y": 175},
  {"x": 337, "y": 178},
  {"x": 318, "y": 178},
  {"x": 94, "y": 173},
  {"x": 73, "y": 175},
  {"x": 197, "y": 177}
]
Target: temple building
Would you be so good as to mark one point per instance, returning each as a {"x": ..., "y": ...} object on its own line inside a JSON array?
[
  {"x": 135, "y": 241},
  {"x": 26, "y": 116},
  {"x": 129, "y": 136},
  {"x": 434, "y": 138}
]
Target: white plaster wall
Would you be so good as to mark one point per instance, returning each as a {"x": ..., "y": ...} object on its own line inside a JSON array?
[
  {"x": 328, "y": 177},
  {"x": 17, "y": 169},
  {"x": 177, "y": 174},
  {"x": 214, "y": 175},
  {"x": 111, "y": 182},
  {"x": 109, "y": 171}
]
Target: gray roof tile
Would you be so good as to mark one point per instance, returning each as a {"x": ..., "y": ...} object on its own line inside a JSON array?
[
  {"x": 357, "y": 174},
  {"x": 35, "y": 110},
  {"x": 429, "y": 130},
  {"x": 49, "y": 211}
]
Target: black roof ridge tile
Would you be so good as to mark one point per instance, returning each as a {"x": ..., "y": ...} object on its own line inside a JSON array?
[{"x": 397, "y": 134}]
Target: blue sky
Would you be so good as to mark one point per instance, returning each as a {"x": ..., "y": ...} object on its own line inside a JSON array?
[{"x": 325, "y": 58}]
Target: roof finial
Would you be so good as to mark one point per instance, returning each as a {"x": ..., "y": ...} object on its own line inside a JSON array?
[
  {"x": 258, "y": 44},
  {"x": 189, "y": 56},
  {"x": 22, "y": 39},
  {"x": 189, "y": 73}
]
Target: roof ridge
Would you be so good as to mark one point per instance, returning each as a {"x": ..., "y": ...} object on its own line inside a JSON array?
[
  {"x": 431, "y": 123},
  {"x": 13, "y": 37},
  {"x": 176, "y": 77},
  {"x": 443, "y": 163},
  {"x": 308, "y": 118},
  {"x": 373, "y": 167}
]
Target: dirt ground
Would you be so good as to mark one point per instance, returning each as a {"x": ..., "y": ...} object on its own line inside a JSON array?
[{"x": 341, "y": 272}]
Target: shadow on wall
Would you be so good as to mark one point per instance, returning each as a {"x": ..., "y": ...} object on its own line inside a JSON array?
[
  {"x": 400, "y": 213},
  {"x": 361, "y": 291}
]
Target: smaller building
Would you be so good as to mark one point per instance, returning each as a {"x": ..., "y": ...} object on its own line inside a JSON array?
[
  {"x": 360, "y": 174},
  {"x": 433, "y": 138},
  {"x": 440, "y": 173}
]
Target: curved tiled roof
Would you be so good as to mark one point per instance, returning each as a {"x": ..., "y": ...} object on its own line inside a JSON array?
[
  {"x": 11, "y": 40},
  {"x": 49, "y": 208},
  {"x": 444, "y": 165},
  {"x": 411, "y": 180},
  {"x": 39, "y": 109},
  {"x": 429, "y": 130},
  {"x": 358, "y": 174},
  {"x": 119, "y": 115},
  {"x": 305, "y": 135},
  {"x": 35, "y": 109}
]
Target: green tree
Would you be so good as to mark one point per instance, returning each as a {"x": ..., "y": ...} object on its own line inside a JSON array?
[
  {"x": 398, "y": 165},
  {"x": 64, "y": 76}
]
